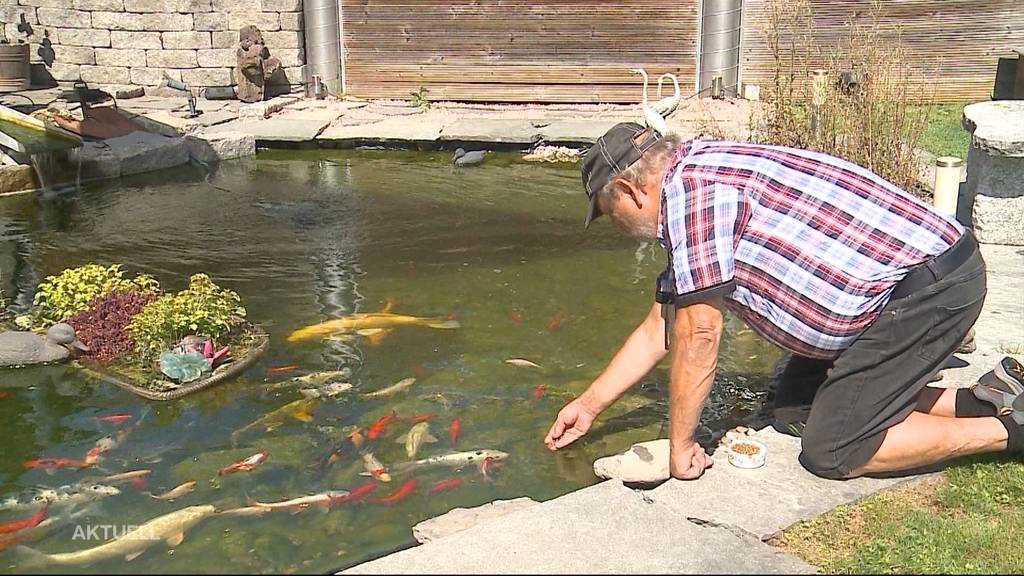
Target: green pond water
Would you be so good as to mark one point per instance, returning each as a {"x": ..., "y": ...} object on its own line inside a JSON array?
[{"x": 307, "y": 236}]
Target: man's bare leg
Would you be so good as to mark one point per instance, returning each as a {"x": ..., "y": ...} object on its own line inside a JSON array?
[{"x": 926, "y": 439}]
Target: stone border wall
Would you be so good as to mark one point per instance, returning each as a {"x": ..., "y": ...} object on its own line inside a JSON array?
[{"x": 133, "y": 42}]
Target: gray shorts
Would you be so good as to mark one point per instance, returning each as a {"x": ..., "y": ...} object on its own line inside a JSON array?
[{"x": 845, "y": 406}]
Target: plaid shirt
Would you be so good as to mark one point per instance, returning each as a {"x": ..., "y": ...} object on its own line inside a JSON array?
[{"x": 805, "y": 247}]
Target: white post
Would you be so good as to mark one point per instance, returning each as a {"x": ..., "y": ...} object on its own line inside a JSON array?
[{"x": 947, "y": 183}]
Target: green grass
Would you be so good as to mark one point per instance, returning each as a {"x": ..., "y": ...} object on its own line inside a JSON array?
[
  {"x": 967, "y": 521},
  {"x": 945, "y": 136}
]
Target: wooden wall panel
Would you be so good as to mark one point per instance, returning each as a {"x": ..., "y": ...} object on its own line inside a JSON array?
[
  {"x": 953, "y": 44},
  {"x": 516, "y": 50}
]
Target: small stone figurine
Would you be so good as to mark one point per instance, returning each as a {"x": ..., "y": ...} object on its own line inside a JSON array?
[
  {"x": 29, "y": 348},
  {"x": 255, "y": 65}
]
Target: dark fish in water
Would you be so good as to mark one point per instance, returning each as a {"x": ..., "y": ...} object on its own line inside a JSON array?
[{"x": 346, "y": 448}]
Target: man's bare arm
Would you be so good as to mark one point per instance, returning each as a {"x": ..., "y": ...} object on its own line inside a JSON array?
[{"x": 696, "y": 336}]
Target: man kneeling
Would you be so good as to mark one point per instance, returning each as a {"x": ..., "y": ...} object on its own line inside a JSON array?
[{"x": 869, "y": 289}]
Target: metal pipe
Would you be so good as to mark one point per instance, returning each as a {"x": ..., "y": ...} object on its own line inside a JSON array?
[
  {"x": 721, "y": 33},
  {"x": 323, "y": 42}
]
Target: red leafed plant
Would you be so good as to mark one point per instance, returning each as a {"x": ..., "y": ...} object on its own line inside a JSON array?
[{"x": 102, "y": 326}]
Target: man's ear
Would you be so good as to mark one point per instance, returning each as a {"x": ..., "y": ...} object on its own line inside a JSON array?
[{"x": 631, "y": 189}]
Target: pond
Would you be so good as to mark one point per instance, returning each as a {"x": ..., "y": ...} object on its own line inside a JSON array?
[{"x": 304, "y": 236}]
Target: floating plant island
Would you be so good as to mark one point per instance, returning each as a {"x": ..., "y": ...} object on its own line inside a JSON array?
[{"x": 159, "y": 345}]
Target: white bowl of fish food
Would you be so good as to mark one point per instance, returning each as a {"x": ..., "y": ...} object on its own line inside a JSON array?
[{"x": 743, "y": 450}]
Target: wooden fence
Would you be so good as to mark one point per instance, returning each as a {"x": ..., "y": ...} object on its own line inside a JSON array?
[
  {"x": 516, "y": 50},
  {"x": 954, "y": 45}
]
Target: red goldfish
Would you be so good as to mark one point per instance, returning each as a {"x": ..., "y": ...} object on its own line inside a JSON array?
[
  {"x": 555, "y": 323},
  {"x": 114, "y": 418},
  {"x": 398, "y": 495},
  {"x": 285, "y": 368},
  {"x": 4, "y": 395},
  {"x": 355, "y": 495},
  {"x": 30, "y": 522},
  {"x": 516, "y": 317},
  {"x": 454, "y": 430},
  {"x": 443, "y": 485},
  {"x": 539, "y": 391},
  {"x": 421, "y": 418},
  {"x": 485, "y": 467},
  {"x": 50, "y": 463},
  {"x": 378, "y": 427},
  {"x": 244, "y": 465}
]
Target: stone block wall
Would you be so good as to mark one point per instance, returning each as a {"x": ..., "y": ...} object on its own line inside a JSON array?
[{"x": 133, "y": 42}]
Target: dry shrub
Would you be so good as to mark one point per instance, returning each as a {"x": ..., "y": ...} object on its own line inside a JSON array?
[{"x": 863, "y": 112}]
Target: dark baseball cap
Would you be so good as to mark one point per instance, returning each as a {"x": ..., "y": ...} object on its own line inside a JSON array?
[{"x": 617, "y": 150}]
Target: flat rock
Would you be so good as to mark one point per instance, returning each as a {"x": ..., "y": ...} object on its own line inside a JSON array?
[
  {"x": 997, "y": 127},
  {"x": 999, "y": 220},
  {"x": 276, "y": 129},
  {"x": 264, "y": 109},
  {"x": 575, "y": 131},
  {"x": 16, "y": 178},
  {"x": 129, "y": 92},
  {"x": 217, "y": 146},
  {"x": 459, "y": 519},
  {"x": 391, "y": 129},
  {"x": 492, "y": 130},
  {"x": 766, "y": 500},
  {"x": 394, "y": 109},
  {"x": 603, "y": 529},
  {"x": 144, "y": 152},
  {"x": 98, "y": 161}
]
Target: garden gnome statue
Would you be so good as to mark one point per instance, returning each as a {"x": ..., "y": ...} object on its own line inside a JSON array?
[
  {"x": 255, "y": 64},
  {"x": 28, "y": 348}
]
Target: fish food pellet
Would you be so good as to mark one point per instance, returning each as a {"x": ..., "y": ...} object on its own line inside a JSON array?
[{"x": 746, "y": 449}]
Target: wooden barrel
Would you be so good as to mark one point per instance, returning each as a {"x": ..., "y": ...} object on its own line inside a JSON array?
[{"x": 14, "y": 67}]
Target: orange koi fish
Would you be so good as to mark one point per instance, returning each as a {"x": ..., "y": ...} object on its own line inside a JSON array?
[
  {"x": 244, "y": 465},
  {"x": 30, "y": 522},
  {"x": 454, "y": 430},
  {"x": 450, "y": 484},
  {"x": 539, "y": 391},
  {"x": 398, "y": 495},
  {"x": 355, "y": 495},
  {"x": 378, "y": 427}
]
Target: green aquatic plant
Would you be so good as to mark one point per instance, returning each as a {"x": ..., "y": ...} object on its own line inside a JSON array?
[
  {"x": 70, "y": 292},
  {"x": 183, "y": 366},
  {"x": 203, "y": 308}
]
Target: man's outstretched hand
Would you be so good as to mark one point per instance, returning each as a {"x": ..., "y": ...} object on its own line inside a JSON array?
[{"x": 572, "y": 422}]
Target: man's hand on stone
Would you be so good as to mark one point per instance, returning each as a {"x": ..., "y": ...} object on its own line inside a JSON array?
[
  {"x": 572, "y": 422},
  {"x": 689, "y": 461}
]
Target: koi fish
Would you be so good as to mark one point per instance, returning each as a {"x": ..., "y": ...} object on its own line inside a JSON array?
[
  {"x": 384, "y": 319},
  {"x": 301, "y": 410},
  {"x": 105, "y": 444},
  {"x": 244, "y": 465},
  {"x": 485, "y": 467},
  {"x": 176, "y": 492},
  {"x": 349, "y": 445},
  {"x": 521, "y": 362},
  {"x": 301, "y": 502},
  {"x": 555, "y": 323},
  {"x": 375, "y": 468},
  {"x": 378, "y": 427},
  {"x": 416, "y": 437},
  {"x": 321, "y": 378},
  {"x": 454, "y": 460},
  {"x": 539, "y": 391},
  {"x": 398, "y": 495},
  {"x": 421, "y": 418},
  {"x": 453, "y": 430},
  {"x": 516, "y": 317},
  {"x": 280, "y": 369},
  {"x": 114, "y": 418},
  {"x": 52, "y": 463},
  {"x": 169, "y": 528},
  {"x": 4, "y": 395},
  {"x": 19, "y": 525},
  {"x": 393, "y": 389},
  {"x": 122, "y": 477},
  {"x": 443, "y": 485},
  {"x": 63, "y": 497},
  {"x": 355, "y": 495}
]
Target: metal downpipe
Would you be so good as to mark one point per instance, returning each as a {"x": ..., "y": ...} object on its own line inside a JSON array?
[
  {"x": 323, "y": 42},
  {"x": 720, "y": 38}
]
